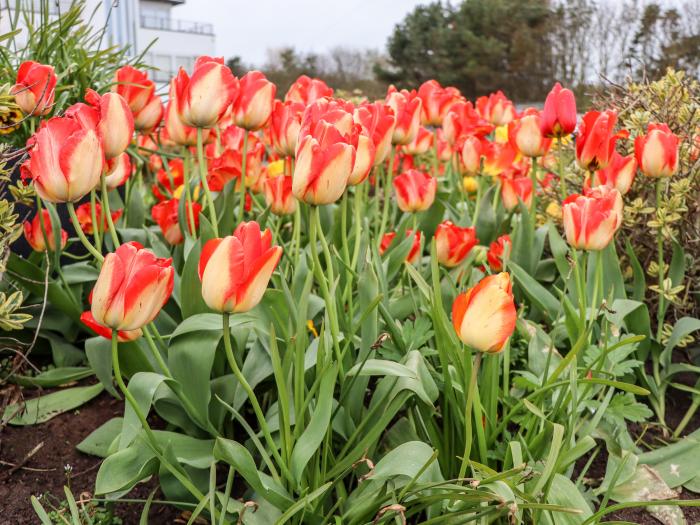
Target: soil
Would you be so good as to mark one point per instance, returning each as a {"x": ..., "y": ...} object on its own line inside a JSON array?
[{"x": 44, "y": 473}]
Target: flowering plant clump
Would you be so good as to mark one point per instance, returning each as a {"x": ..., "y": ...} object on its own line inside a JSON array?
[{"x": 322, "y": 310}]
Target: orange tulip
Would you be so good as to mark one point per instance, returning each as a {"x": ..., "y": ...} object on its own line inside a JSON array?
[
  {"x": 657, "y": 151},
  {"x": 591, "y": 220},
  {"x": 453, "y": 243},
  {"x": 484, "y": 317},
  {"x": 413, "y": 254},
  {"x": 463, "y": 120},
  {"x": 407, "y": 111},
  {"x": 35, "y": 88},
  {"x": 115, "y": 124},
  {"x": 165, "y": 214},
  {"x": 415, "y": 190},
  {"x": 595, "y": 142},
  {"x": 35, "y": 236},
  {"x": 235, "y": 270},
  {"x": 515, "y": 189},
  {"x": 496, "y": 108},
  {"x": 525, "y": 135},
  {"x": 253, "y": 105},
  {"x": 619, "y": 174},
  {"x": 285, "y": 123},
  {"x": 307, "y": 90},
  {"x": 559, "y": 113},
  {"x": 421, "y": 143},
  {"x": 471, "y": 155},
  {"x": 499, "y": 252},
  {"x": 118, "y": 170},
  {"x": 84, "y": 214},
  {"x": 436, "y": 102},
  {"x": 279, "y": 196}
]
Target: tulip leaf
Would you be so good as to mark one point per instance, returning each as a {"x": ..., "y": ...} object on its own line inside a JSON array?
[
  {"x": 81, "y": 272},
  {"x": 381, "y": 367},
  {"x": 99, "y": 441},
  {"x": 191, "y": 301},
  {"x": 683, "y": 327},
  {"x": 54, "y": 377},
  {"x": 486, "y": 223},
  {"x": 43, "y": 408},
  {"x": 538, "y": 294},
  {"x": 413, "y": 460}
]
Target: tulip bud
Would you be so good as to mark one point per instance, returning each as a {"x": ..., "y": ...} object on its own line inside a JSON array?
[
  {"x": 471, "y": 155},
  {"x": 35, "y": 88},
  {"x": 285, "y": 123},
  {"x": 595, "y": 141},
  {"x": 407, "y": 111},
  {"x": 559, "y": 113},
  {"x": 165, "y": 214},
  {"x": 591, "y": 220},
  {"x": 657, "y": 151},
  {"x": 279, "y": 196},
  {"x": 484, "y": 317},
  {"x": 453, "y": 243},
  {"x": 84, "y": 214},
  {"x": 65, "y": 160},
  {"x": 499, "y": 253},
  {"x": 253, "y": 106},
  {"x": 415, "y": 191},
  {"x": 524, "y": 134},
  {"x": 307, "y": 90},
  {"x": 416, "y": 247},
  {"x": 35, "y": 236},
  {"x": 118, "y": 170},
  {"x": 132, "y": 287},
  {"x": 203, "y": 99},
  {"x": 235, "y": 270},
  {"x": 421, "y": 143},
  {"x": 514, "y": 190},
  {"x": 619, "y": 174}
]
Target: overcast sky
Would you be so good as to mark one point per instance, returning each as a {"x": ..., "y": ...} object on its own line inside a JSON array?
[{"x": 247, "y": 28}]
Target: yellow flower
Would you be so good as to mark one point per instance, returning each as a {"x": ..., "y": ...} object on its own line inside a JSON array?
[
  {"x": 10, "y": 119},
  {"x": 554, "y": 210},
  {"x": 275, "y": 168},
  {"x": 311, "y": 327},
  {"x": 470, "y": 184},
  {"x": 501, "y": 135},
  {"x": 178, "y": 192}
]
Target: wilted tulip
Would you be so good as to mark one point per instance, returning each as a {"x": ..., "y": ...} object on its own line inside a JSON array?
[
  {"x": 484, "y": 317},
  {"x": 204, "y": 98},
  {"x": 407, "y": 111},
  {"x": 117, "y": 171},
  {"x": 35, "y": 88},
  {"x": 415, "y": 251},
  {"x": 453, "y": 243},
  {"x": 235, "y": 270},
  {"x": 515, "y": 189},
  {"x": 132, "y": 287},
  {"x": 595, "y": 142},
  {"x": 65, "y": 160},
  {"x": 285, "y": 123},
  {"x": 657, "y": 151},
  {"x": 415, "y": 191},
  {"x": 591, "y": 220},
  {"x": 253, "y": 105},
  {"x": 499, "y": 252},
  {"x": 307, "y": 90},
  {"x": 165, "y": 214},
  {"x": 619, "y": 174},
  {"x": 525, "y": 135},
  {"x": 84, "y": 214},
  {"x": 35, "y": 236},
  {"x": 559, "y": 113},
  {"x": 279, "y": 196},
  {"x": 496, "y": 108}
]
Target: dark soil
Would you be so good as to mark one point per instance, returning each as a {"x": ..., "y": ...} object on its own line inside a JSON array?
[{"x": 44, "y": 473}]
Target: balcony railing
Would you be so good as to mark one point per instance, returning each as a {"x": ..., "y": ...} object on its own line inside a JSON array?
[{"x": 180, "y": 26}]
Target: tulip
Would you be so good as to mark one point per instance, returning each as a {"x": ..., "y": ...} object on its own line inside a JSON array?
[
  {"x": 657, "y": 151},
  {"x": 497, "y": 157},
  {"x": 436, "y": 102},
  {"x": 453, "y": 243},
  {"x": 445, "y": 151},
  {"x": 115, "y": 124},
  {"x": 285, "y": 123},
  {"x": 420, "y": 144},
  {"x": 165, "y": 214},
  {"x": 407, "y": 110},
  {"x": 463, "y": 120},
  {"x": 559, "y": 113},
  {"x": 229, "y": 166},
  {"x": 150, "y": 116},
  {"x": 591, "y": 220},
  {"x": 525, "y": 136},
  {"x": 253, "y": 105},
  {"x": 619, "y": 173},
  {"x": 35, "y": 88},
  {"x": 118, "y": 170},
  {"x": 595, "y": 142},
  {"x": 204, "y": 98},
  {"x": 35, "y": 236},
  {"x": 338, "y": 113},
  {"x": 235, "y": 270},
  {"x": 132, "y": 287},
  {"x": 169, "y": 182},
  {"x": 415, "y": 191},
  {"x": 325, "y": 160},
  {"x": 279, "y": 196},
  {"x": 84, "y": 214},
  {"x": 134, "y": 86},
  {"x": 175, "y": 129},
  {"x": 413, "y": 254},
  {"x": 514, "y": 190},
  {"x": 65, "y": 160},
  {"x": 499, "y": 253},
  {"x": 377, "y": 121},
  {"x": 471, "y": 155},
  {"x": 123, "y": 336},
  {"x": 307, "y": 90},
  {"x": 496, "y": 108},
  {"x": 484, "y": 317}
]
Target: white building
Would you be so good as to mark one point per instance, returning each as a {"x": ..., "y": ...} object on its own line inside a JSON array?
[{"x": 146, "y": 26}]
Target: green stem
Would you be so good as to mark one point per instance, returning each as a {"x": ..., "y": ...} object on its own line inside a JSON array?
[
  {"x": 186, "y": 166},
  {"x": 477, "y": 205},
  {"x": 108, "y": 213},
  {"x": 533, "y": 177},
  {"x": 156, "y": 353},
  {"x": 95, "y": 224},
  {"x": 357, "y": 223},
  {"x": 468, "y": 415},
  {"x": 244, "y": 161},
  {"x": 562, "y": 178},
  {"x": 251, "y": 395},
  {"x": 661, "y": 308},
  {"x": 687, "y": 417},
  {"x": 387, "y": 194},
  {"x": 597, "y": 284},
  {"x": 203, "y": 177},
  {"x": 79, "y": 232}
]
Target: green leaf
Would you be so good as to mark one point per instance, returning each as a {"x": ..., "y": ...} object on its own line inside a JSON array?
[
  {"x": 191, "y": 300},
  {"x": 80, "y": 272},
  {"x": 43, "y": 408},
  {"x": 40, "y": 511},
  {"x": 405, "y": 462},
  {"x": 315, "y": 431},
  {"x": 639, "y": 284},
  {"x": 98, "y": 442},
  {"x": 54, "y": 377},
  {"x": 683, "y": 327},
  {"x": 535, "y": 292},
  {"x": 381, "y": 367},
  {"x": 563, "y": 492}
]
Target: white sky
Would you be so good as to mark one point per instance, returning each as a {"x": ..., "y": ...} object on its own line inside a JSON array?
[{"x": 248, "y": 27}]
